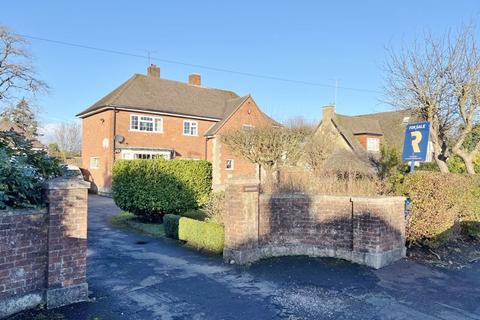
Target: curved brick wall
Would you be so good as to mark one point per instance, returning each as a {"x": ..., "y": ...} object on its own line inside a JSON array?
[{"x": 364, "y": 230}]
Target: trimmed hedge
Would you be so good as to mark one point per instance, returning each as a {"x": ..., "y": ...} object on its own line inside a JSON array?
[
  {"x": 202, "y": 235},
  {"x": 170, "y": 225},
  {"x": 153, "y": 188},
  {"x": 444, "y": 206},
  {"x": 195, "y": 214}
]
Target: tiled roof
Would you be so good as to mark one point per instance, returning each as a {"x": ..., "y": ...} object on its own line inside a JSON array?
[{"x": 148, "y": 93}]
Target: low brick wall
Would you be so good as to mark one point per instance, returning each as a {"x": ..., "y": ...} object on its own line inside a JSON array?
[
  {"x": 43, "y": 251},
  {"x": 365, "y": 230}
]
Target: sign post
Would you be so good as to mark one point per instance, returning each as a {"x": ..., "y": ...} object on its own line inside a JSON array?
[{"x": 416, "y": 143}]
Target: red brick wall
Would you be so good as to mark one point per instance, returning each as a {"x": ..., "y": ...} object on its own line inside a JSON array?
[
  {"x": 172, "y": 136},
  {"x": 248, "y": 113},
  {"x": 23, "y": 252},
  {"x": 95, "y": 129},
  {"x": 43, "y": 252},
  {"x": 366, "y": 230}
]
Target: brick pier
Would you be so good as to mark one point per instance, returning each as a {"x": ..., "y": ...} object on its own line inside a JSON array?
[{"x": 43, "y": 251}]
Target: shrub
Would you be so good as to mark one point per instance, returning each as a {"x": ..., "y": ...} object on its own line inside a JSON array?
[
  {"x": 195, "y": 214},
  {"x": 170, "y": 224},
  {"x": 152, "y": 188},
  {"x": 23, "y": 170},
  {"x": 215, "y": 207},
  {"x": 202, "y": 235},
  {"x": 440, "y": 204}
]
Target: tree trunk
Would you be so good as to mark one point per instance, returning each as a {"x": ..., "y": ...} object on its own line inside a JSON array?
[
  {"x": 439, "y": 150},
  {"x": 442, "y": 165},
  {"x": 468, "y": 160}
]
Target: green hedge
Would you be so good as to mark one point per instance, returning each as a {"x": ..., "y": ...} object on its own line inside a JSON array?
[
  {"x": 195, "y": 214},
  {"x": 202, "y": 235},
  {"x": 170, "y": 225},
  {"x": 152, "y": 188},
  {"x": 444, "y": 206}
]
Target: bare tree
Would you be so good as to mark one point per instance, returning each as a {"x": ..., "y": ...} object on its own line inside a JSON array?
[
  {"x": 269, "y": 147},
  {"x": 465, "y": 81},
  {"x": 68, "y": 136},
  {"x": 439, "y": 79},
  {"x": 301, "y": 123},
  {"x": 17, "y": 74},
  {"x": 316, "y": 151}
]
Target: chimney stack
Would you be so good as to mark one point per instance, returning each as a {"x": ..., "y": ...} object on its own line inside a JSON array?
[
  {"x": 195, "y": 79},
  {"x": 153, "y": 71},
  {"x": 328, "y": 113}
]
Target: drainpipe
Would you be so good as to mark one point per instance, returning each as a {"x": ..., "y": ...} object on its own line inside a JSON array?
[
  {"x": 114, "y": 144},
  {"x": 206, "y": 148}
]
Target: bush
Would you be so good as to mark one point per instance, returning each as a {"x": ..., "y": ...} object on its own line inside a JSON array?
[
  {"x": 202, "y": 235},
  {"x": 170, "y": 224},
  {"x": 195, "y": 214},
  {"x": 22, "y": 171},
  {"x": 441, "y": 204},
  {"x": 215, "y": 207},
  {"x": 152, "y": 188}
]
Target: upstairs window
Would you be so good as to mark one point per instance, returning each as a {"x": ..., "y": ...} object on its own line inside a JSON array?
[
  {"x": 190, "y": 128},
  {"x": 229, "y": 164},
  {"x": 145, "y": 123},
  {"x": 248, "y": 127},
  {"x": 373, "y": 144}
]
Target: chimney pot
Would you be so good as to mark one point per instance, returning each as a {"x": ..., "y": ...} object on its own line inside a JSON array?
[
  {"x": 153, "y": 71},
  {"x": 328, "y": 112},
  {"x": 195, "y": 79}
]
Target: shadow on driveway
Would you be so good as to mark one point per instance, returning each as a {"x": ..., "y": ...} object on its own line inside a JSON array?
[{"x": 132, "y": 276}]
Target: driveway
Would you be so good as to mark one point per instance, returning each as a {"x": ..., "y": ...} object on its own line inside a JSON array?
[{"x": 132, "y": 276}]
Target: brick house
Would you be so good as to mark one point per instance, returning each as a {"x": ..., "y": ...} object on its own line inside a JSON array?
[
  {"x": 148, "y": 117},
  {"x": 359, "y": 138}
]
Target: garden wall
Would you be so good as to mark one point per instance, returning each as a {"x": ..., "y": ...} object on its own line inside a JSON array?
[
  {"x": 43, "y": 251},
  {"x": 365, "y": 230}
]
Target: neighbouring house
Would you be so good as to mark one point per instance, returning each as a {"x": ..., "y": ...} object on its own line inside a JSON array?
[
  {"x": 7, "y": 125},
  {"x": 148, "y": 117},
  {"x": 357, "y": 139}
]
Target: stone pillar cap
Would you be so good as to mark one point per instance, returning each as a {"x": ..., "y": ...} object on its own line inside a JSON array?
[{"x": 65, "y": 183}]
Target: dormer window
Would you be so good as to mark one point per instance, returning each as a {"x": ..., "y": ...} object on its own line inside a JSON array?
[{"x": 373, "y": 144}]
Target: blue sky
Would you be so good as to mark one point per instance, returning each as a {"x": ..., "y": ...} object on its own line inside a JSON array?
[{"x": 312, "y": 41}]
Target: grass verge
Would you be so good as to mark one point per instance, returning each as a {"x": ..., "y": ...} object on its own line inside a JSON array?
[{"x": 127, "y": 220}]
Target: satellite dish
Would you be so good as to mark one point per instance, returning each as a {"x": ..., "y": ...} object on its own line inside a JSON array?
[{"x": 119, "y": 138}]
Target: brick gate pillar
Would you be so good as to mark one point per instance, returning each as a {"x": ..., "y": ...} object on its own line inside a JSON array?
[
  {"x": 241, "y": 227},
  {"x": 66, "y": 241}
]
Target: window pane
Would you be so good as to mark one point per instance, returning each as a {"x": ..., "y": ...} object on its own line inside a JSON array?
[
  {"x": 373, "y": 144},
  {"x": 193, "y": 130},
  {"x": 134, "y": 123},
  {"x": 146, "y": 126},
  {"x": 186, "y": 127},
  {"x": 158, "y": 125}
]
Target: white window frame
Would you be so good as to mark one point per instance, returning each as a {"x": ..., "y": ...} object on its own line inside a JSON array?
[
  {"x": 153, "y": 120},
  {"x": 190, "y": 122},
  {"x": 129, "y": 154},
  {"x": 375, "y": 142},
  {"x": 232, "y": 164},
  {"x": 248, "y": 126},
  {"x": 97, "y": 160}
]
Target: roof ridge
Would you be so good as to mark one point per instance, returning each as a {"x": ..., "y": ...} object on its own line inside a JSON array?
[{"x": 188, "y": 84}]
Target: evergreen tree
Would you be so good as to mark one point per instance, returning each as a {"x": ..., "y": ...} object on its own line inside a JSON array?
[{"x": 23, "y": 116}]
